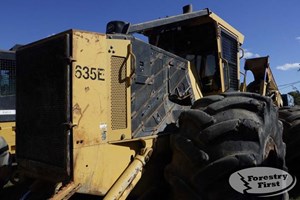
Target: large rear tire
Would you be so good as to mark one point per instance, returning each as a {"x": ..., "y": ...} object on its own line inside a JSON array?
[
  {"x": 218, "y": 136},
  {"x": 290, "y": 117}
]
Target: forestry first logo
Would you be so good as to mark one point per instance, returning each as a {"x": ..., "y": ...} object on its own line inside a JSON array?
[{"x": 262, "y": 181}]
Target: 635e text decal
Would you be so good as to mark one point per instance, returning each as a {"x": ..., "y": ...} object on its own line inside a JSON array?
[{"x": 91, "y": 73}]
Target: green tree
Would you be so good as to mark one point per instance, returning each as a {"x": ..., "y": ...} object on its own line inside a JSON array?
[{"x": 296, "y": 95}]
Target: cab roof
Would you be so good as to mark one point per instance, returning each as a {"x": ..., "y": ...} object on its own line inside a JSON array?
[{"x": 204, "y": 15}]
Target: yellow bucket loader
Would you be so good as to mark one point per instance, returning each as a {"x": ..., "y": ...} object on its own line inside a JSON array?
[
  {"x": 264, "y": 82},
  {"x": 116, "y": 117}
]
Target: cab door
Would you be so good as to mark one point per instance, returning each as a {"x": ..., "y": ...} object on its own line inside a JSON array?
[{"x": 229, "y": 59}]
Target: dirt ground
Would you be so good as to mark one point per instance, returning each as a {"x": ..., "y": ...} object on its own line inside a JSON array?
[
  {"x": 18, "y": 192},
  {"x": 21, "y": 192}
]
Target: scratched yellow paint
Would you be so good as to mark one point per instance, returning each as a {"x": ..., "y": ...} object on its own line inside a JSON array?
[
  {"x": 7, "y": 131},
  {"x": 97, "y": 163}
]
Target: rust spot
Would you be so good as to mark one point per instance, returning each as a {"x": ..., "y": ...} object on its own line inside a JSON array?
[
  {"x": 86, "y": 89},
  {"x": 79, "y": 112},
  {"x": 77, "y": 109}
]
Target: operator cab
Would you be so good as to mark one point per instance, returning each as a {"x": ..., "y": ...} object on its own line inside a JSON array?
[{"x": 209, "y": 43}]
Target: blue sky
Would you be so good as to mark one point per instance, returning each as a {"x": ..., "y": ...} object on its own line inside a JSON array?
[{"x": 270, "y": 27}]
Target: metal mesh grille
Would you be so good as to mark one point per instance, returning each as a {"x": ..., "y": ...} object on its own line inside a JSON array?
[
  {"x": 118, "y": 93},
  {"x": 8, "y": 77},
  {"x": 42, "y": 91},
  {"x": 229, "y": 46},
  {"x": 7, "y": 86}
]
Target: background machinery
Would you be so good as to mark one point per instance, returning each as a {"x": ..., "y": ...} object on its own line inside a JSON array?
[
  {"x": 7, "y": 113},
  {"x": 114, "y": 116},
  {"x": 289, "y": 113}
]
